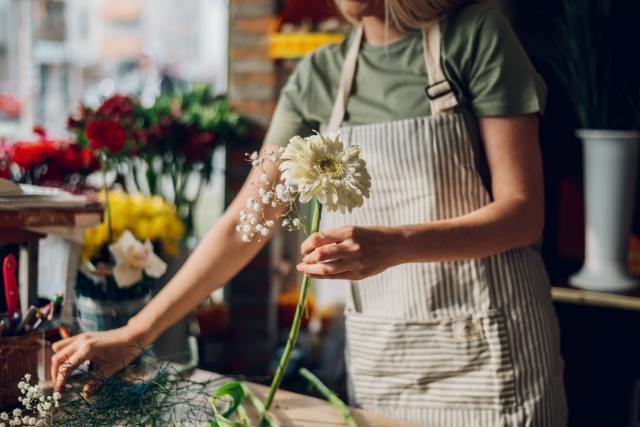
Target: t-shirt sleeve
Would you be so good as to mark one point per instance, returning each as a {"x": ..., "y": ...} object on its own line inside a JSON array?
[
  {"x": 501, "y": 79},
  {"x": 288, "y": 119}
]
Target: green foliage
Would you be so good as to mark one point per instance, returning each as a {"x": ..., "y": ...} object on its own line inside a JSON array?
[
  {"x": 146, "y": 394},
  {"x": 169, "y": 146},
  {"x": 232, "y": 389},
  {"x": 591, "y": 46}
]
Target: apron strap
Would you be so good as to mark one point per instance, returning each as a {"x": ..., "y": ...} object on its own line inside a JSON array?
[
  {"x": 439, "y": 92},
  {"x": 346, "y": 78}
]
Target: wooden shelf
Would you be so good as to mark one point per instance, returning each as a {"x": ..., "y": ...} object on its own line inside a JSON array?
[
  {"x": 567, "y": 294},
  {"x": 87, "y": 216},
  {"x": 26, "y": 226}
]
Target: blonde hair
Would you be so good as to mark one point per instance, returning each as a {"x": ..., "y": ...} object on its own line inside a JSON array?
[{"x": 410, "y": 15}]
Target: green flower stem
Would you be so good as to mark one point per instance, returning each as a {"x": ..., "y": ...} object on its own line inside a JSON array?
[
  {"x": 295, "y": 326},
  {"x": 103, "y": 167},
  {"x": 330, "y": 396},
  {"x": 266, "y": 419}
]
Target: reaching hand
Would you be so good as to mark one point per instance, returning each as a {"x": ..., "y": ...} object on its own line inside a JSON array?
[
  {"x": 349, "y": 252},
  {"x": 108, "y": 352}
]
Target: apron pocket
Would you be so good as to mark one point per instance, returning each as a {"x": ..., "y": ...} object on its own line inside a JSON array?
[{"x": 460, "y": 363}]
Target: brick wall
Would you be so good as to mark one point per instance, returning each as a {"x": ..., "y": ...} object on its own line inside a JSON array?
[
  {"x": 252, "y": 91},
  {"x": 252, "y": 77}
]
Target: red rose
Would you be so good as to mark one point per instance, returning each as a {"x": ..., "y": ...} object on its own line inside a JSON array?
[
  {"x": 28, "y": 155},
  {"x": 118, "y": 107},
  {"x": 196, "y": 145},
  {"x": 105, "y": 134},
  {"x": 40, "y": 130},
  {"x": 89, "y": 161}
]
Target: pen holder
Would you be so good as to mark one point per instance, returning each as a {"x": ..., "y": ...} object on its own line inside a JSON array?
[{"x": 18, "y": 356}]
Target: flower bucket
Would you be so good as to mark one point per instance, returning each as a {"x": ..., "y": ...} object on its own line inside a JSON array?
[
  {"x": 102, "y": 305},
  {"x": 101, "y": 315}
]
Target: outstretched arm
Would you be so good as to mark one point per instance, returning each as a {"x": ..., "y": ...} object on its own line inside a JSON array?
[{"x": 218, "y": 257}]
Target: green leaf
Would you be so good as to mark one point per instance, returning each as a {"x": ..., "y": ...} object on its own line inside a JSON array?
[
  {"x": 233, "y": 389},
  {"x": 221, "y": 421}
]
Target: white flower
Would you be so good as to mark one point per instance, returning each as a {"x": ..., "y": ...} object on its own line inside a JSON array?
[
  {"x": 132, "y": 257},
  {"x": 319, "y": 166}
]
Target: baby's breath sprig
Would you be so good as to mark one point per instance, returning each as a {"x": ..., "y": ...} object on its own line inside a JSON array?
[
  {"x": 38, "y": 407},
  {"x": 317, "y": 168},
  {"x": 253, "y": 221}
]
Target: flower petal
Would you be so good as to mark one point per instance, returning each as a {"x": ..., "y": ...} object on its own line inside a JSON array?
[
  {"x": 156, "y": 267},
  {"x": 126, "y": 276}
]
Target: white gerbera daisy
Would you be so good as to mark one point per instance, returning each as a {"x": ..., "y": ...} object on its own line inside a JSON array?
[{"x": 320, "y": 166}]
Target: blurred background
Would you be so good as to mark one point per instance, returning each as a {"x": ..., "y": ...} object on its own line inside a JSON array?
[{"x": 85, "y": 51}]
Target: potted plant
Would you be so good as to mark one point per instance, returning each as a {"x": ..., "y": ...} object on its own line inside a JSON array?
[
  {"x": 585, "y": 43},
  {"x": 110, "y": 292}
]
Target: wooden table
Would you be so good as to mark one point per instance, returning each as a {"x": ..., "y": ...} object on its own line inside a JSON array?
[{"x": 297, "y": 410}]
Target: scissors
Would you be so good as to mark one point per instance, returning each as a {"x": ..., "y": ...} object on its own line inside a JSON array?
[{"x": 11, "y": 294}]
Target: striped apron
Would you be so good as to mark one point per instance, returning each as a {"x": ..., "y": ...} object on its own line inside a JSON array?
[{"x": 443, "y": 344}]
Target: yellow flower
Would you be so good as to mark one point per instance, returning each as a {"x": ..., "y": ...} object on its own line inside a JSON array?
[
  {"x": 319, "y": 166},
  {"x": 147, "y": 218}
]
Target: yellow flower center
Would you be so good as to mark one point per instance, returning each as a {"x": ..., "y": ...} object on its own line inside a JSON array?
[{"x": 330, "y": 167}]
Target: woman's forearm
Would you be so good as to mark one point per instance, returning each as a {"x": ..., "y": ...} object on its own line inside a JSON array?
[
  {"x": 219, "y": 256},
  {"x": 500, "y": 226}
]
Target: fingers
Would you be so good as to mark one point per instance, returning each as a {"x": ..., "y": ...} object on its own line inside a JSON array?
[
  {"x": 61, "y": 364},
  {"x": 334, "y": 269},
  {"x": 107, "y": 352},
  {"x": 348, "y": 252},
  {"x": 61, "y": 371},
  {"x": 328, "y": 237},
  {"x": 70, "y": 355}
]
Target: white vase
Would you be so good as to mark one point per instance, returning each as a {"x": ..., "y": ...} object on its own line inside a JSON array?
[{"x": 610, "y": 163}]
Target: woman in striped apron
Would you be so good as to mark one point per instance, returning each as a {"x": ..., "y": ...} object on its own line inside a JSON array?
[{"x": 449, "y": 320}]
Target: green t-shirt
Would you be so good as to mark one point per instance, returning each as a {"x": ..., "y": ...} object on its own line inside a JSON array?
[{"x": 487, "y": 67}]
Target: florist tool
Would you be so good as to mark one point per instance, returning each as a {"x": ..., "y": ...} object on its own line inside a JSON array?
[
  {"x": 11, "y": 287},
  {"x": 27, "y": 323}
]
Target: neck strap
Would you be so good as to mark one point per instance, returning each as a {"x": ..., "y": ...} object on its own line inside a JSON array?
[{"x": 439, "y": 93}]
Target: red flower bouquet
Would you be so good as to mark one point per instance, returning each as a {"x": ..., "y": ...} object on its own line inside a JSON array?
[
  {"x": 116, "y": 125},
  {"x": 104, "y": 134},
  {"x": 165, "y": 150},
  {"x": 47, "y": 162}
]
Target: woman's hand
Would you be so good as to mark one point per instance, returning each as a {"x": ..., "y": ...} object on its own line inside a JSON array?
[
  {"x": 108, "y": 351},
  {"x": 350, "y": 252}
]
